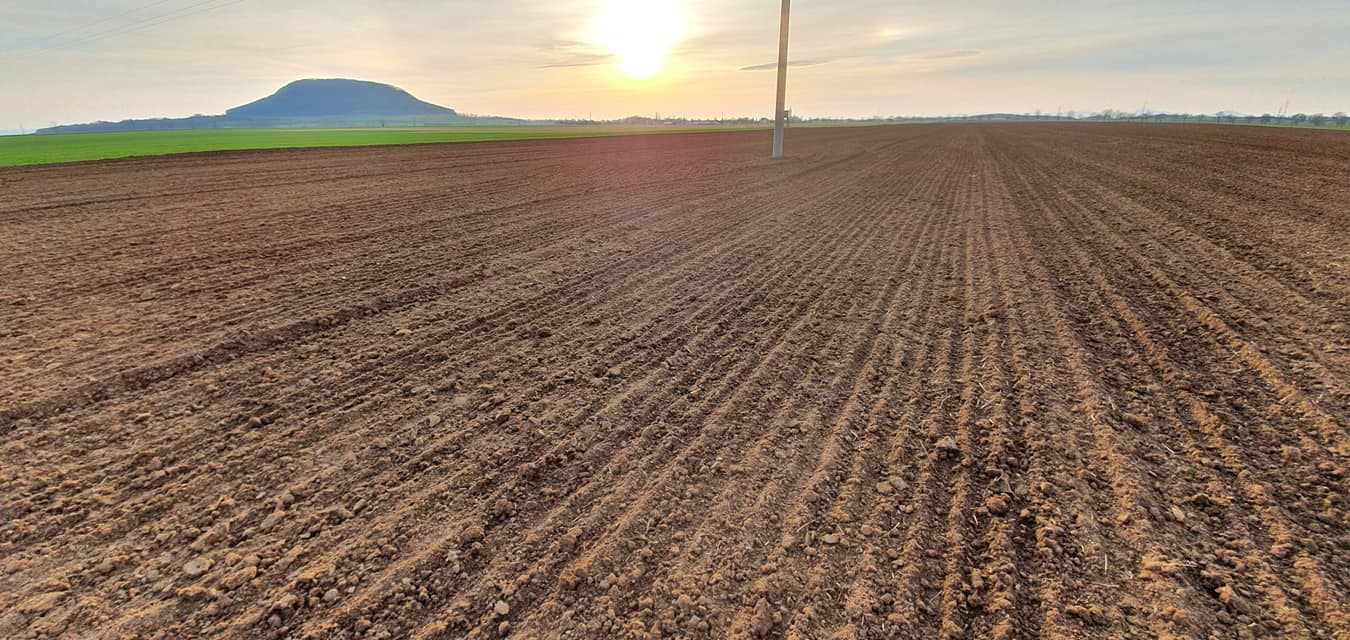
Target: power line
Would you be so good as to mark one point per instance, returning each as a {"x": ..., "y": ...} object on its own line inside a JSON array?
[
  {"x": 168, "y": 17},
  {"x": 96, "y": 23},
  {"x": 153, "y": 21}
]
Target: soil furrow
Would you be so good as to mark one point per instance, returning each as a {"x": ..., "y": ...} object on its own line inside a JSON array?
[{"x": 960, "y": 381}]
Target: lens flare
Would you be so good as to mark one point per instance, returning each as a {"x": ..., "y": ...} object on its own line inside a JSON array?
[{"x": 640, "y": 33}]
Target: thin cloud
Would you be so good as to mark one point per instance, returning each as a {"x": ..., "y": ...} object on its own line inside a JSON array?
[
  {"x": 579, "y": 60},
  {"x": 963, "y": 53},
  {"x": 771, "y": 66},
  {"x": 568, "y": 65},
  {"x": 561, "y": 44},
  {"x": 564, "y": 54}
]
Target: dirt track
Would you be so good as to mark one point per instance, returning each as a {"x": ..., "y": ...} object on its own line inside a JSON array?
[{"x": 914, "y": 382}]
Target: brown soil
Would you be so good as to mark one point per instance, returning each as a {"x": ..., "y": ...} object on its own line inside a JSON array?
[{"x": 1004, "y": 381}]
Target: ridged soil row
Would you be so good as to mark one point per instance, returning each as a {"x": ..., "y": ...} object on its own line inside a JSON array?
[
  {"x": 1271, "y": 534},
  {"x": 1245, "y": 167},
  {"x": 979, "y": 419},
  {"x": 194, "y": 303},
  {"x": 1036, "y": 492},
  {"x": 150, "y": 250},
  {"x": 1196, "y": 411},
  {"x": 713, "y": 424},
  {"x": 115, "y": 184},
  {"x": 914, "y": 589},
  {"x": 120, "y": 186},
  {"x": 681, "y": 514},
  {"x": 1022, "y": 572},
  {"x": 981, "y": 591},
  {"x": 1288, "y": 343},
  {"x": 453, "y": 187},
  {"x": 111, "y": 183},
  {"x": 1094, "y": 527},
  {"x": 1293, "y": 351},
  {"x": 1225, "y": 221},
  {"x": 949, "y": 547},
  {"x": 586, "y": 212},
  {"x": 833, "y": 532},
  {"x": 385, "y": 265},
  {"x": 98, "y": 431},
  {"x": 565, "y": 286},
  {"x": 1159, "y": 448},
  {"x": 1284, "y": 381},
  {"x": 421, "y": 255},
  {"x": 726, "y": 542},
  {"x": 884, "y": 476},
  {"x": 696, "y": 414},
  {"x": 424, "y": 458},
  {"x": 1276, "y": 424},
  {"x": 489, "y": 497},
  {"x": 1140, "y": 484},
  {"x": 869, "y": 603},
  {"x": 757, "y": 515},
  {"x": 363, "y": 204},
  {"x": 1235, "y": 335},
  {"x": 1291, "y": 329},
  {"x": 701, "y": 374},
  {"x": 1221, "y": 219},
  {"x": 1298, "y": 410}
]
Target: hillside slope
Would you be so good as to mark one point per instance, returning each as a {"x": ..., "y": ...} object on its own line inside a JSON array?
[
  {"x": 330, "y": 103},
  {"x": 337, "y": 98}
]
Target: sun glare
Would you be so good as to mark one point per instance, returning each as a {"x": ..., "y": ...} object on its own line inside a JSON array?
[{"x": 640, "y": 32}]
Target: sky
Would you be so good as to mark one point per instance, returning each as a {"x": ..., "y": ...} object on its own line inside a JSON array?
[{"x": 83, "y": 60}]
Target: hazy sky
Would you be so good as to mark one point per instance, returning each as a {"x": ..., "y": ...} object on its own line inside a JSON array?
[{"x": 80, "y": 60}]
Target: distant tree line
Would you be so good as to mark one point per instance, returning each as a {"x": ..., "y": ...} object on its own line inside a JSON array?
[
  {"x": 670, "y": 120},
  {"x": 1338, "y": 119}
]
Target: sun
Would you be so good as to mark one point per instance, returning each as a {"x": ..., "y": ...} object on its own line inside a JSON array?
[{"x": 640, "y": 32}]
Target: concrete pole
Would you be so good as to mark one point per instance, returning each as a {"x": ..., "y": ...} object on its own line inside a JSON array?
[{"x": 780, "y": 114}]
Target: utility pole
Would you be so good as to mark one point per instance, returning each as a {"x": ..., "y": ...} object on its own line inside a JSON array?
[{"x": 780, "y": 114}]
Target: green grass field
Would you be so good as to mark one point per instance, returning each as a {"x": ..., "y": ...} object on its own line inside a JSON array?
[{"x": 75, "y": 147}]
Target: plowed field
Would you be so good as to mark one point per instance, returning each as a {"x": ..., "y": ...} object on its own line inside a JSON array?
[{"x": 989, "y": 381}]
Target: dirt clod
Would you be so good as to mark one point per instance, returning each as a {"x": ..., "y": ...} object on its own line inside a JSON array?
[
  {"x": 996, "y": 504},
  {"x": 271, "y": 521},
  {"x": 196, "y": 567},
  {"x": 471, "y": 534},
  {"x": 761, "y": 620},
  {"x": 42, "y": 603},
  {"x": 239, "y": 578}
]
